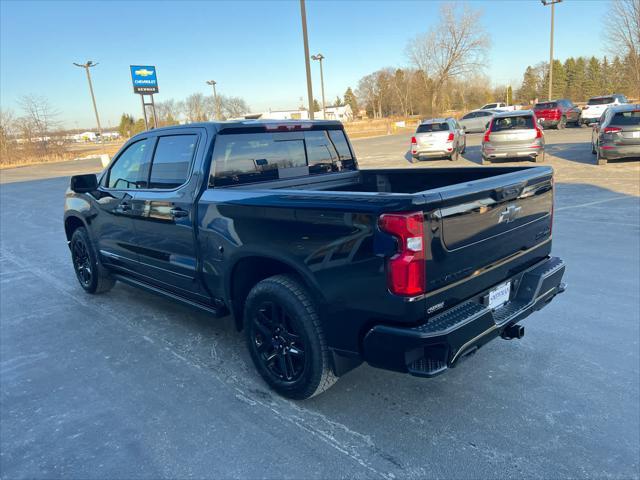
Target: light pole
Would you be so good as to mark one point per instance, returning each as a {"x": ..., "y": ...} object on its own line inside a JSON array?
[
  {"x": 319, "y": 57},
  {"x": 215, "y": 98},
  {"x": 552, "y": 3},
  {"x": 86, "y": 67},
  {"x": 303, "y": 15}
]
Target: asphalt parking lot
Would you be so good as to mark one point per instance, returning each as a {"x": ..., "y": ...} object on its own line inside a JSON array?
[{"x": 127, "y": 385}]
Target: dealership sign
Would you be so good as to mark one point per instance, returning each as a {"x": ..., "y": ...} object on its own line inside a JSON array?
[{"x": 144, "y": 79}]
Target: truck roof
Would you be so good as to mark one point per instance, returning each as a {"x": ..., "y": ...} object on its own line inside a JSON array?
[{"x": 235, "y": 124}]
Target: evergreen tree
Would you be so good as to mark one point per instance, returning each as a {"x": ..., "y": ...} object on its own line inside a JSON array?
[
  {"x": 593, "y": 78},
  {"x": 529, "y": 89},
  {"x": 570, "y": 90},
  {"x": 605, "y": 77},
  {"x": 126, "y": 127},
  {"x": 338, "y": 102},
  {"x": 617, "y": 75},
  {"x": 316, "y": 106},
  {"x": 579, "y": 80},
  {"x": 350, "y": 99}
]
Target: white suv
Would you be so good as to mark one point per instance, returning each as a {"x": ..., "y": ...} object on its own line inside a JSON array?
[
  {"x": 438, "y": 137},
  {"x": 597, "y": 105}
]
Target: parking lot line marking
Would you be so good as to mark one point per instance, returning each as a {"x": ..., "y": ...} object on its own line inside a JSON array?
[{"x": 568, "y": 207}]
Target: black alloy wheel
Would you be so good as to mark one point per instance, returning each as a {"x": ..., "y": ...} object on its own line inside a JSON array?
[
  {"x": 280, "y": 347},
  {"x": 82, "y": 262}
]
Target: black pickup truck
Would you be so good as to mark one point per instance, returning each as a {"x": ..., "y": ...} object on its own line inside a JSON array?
[{"x": 323, "y": 265}]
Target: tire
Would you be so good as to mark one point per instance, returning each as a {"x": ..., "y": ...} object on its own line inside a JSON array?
[
  {"x": 455, "y": 155},
  {"x": 599, "y": 159},
  {"x": 464, "y": 148},
  {"x": 593, "y": 148},
  {"x": 562, "y": 123},
  {"x": 91, "y": 274},
  {"x": 280, "y": 318},
  {"x": 485, "y": 161}
]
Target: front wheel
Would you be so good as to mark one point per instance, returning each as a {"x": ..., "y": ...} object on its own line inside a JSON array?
[
  {"x": 285, "y": 338},
  {"x": 92, "y": 276}
]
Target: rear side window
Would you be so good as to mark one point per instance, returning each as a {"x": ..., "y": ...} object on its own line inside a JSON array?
[
  {"x": 130, "y": 170},
  {"x": 491, "y": 105},
  {"x": 546, "y": 105},
  {"x": 520, "y": 122},
  {"x": 600, "y": 101},
  {"x": 626, "y": 118},
  {"x": 432, "y": 127},
  {"x": 172, "y": 160},
  {"x": 258, "y": 157}
]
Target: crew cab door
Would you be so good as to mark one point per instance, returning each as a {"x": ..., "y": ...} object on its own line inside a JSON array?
[
  {"x": 112, "y": 226},
  {"x": 163, "y": 213}
]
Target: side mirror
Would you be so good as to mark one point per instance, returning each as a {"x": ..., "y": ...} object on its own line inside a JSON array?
[{"x": 84, "y": 183}]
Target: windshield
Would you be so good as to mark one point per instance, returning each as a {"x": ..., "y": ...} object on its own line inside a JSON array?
[
  {"x": 600, "y": 101},
  {"x": 513, "y": 123},
  {"x": 546, "y": 105},
  {"x": 626, "y": 118},
  {"x": 432, "y": 127}
]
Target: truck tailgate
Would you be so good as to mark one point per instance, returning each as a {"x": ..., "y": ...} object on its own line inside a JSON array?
[{"x": 484, "y": 222}]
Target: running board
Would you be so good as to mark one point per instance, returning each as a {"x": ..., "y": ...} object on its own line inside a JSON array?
[{"x": 222, "y": 311}]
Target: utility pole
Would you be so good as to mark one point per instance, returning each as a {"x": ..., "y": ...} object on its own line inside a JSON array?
[
  {"x": 319, "y": 57},
  {"x": 303, "y": 15},
  {"x": 552, "y": 3},
  {"x": 86, "y": 67},
  {"x": 215, "y": 98}
]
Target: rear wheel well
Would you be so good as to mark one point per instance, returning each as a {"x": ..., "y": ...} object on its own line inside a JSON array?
[
  {"x": 247, "y": 273},
  {"x": 71, "y": 224}
]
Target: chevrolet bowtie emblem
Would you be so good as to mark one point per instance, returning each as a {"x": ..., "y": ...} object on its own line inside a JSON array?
[{"x": 509, "y": 214}]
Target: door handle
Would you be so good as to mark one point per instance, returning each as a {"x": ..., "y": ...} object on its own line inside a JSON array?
[{"x": 179, "y": 213}]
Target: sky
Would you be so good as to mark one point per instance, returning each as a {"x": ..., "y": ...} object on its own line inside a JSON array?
[{"x": 251, "y": 49}]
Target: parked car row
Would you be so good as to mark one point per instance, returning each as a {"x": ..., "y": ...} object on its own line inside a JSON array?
[{"x": 519, "y": 133}]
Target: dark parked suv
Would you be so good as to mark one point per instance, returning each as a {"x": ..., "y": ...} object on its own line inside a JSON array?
[
  {"x": 617, "y": 134},
  {"x": 557, "y": 113}
]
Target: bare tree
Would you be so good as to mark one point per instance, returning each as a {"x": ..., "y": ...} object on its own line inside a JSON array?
[
  {"x": 232, "y": 107},
  {"x": 39, "y": 121},
  {"x": 622, "y": 29},
  {"x": 455, "y": 47},
  {"x": 7, "y": 133},
  {"x": 168, "y": 111},
  {"x": 195, "y": 107}
]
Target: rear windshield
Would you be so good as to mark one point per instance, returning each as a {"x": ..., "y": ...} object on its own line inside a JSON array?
[
  {"x": 600, "y": 101},
  {"x": 258, "y": 157},
  {"x": 546, "y": 105},
  {"x": 513, "y": 123},
  {"x": 626, "y": 118},
  {"x": 432, "y": 127}
]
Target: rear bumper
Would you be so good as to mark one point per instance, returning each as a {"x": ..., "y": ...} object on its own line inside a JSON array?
[
  {"x": 430, "y": 349},
  {"x": 437, "y": 152},
  {"x": 619, "y": 151},
  {"x": 521, "y": 151}
]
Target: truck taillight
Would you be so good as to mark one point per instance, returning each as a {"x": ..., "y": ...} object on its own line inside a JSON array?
[
  {"x": 406, "y": 268},
  {"x": 487, "y": 135},
  {"x": 413, "y": 140},
  {"x": 538, "y": 132},
  {"x": 450, "y": 137}
]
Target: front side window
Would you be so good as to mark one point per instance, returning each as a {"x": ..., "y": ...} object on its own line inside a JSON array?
[
  {"x": 468, "y": 116},
  {"x": 172, "y": 161},
  {"x": 130, "y": 171}
]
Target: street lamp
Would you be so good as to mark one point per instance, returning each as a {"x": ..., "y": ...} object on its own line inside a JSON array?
[
  {"x": 552, "y": 3},
  {"x": 319, "y": 57},
  {"x": 215, "y": 98},
  {"x": 305, "y": 40},
  {"x": 87, "y": 66}
]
